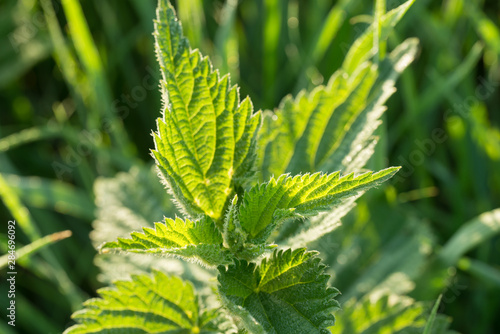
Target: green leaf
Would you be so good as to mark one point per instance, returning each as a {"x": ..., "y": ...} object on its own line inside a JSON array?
[
  {"x": 332, "y": 127},
  {"x": 233, "y": 234},
  {"x": 205, "y": 144},
  {"x": 287, "y": 293},
  {"x": 200, "y": 240},
  {"x": 267, "y": 205},
  {"x": 356, "y": 143},
  {"x": 470, "y": 235},
  {"x": 146, "y": 304},
  {"x": 235, "y": 237},
  {"x": 291, "y": 137}
]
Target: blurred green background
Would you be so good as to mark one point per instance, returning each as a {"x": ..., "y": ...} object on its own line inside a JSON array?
[{"x": 79, "y": 98}]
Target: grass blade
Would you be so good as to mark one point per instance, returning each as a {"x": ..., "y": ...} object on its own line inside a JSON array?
[
  {"x": 470, "y": 235},
  {"x": 432, "y": 316},
  {"x": 89, "y": 56},
  {"x": 35, "y": 246}
]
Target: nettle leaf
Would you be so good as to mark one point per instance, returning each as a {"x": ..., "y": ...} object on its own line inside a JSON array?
[
  {"x": 332, "y": 127},
  {"x": 146, "y": 304},
  {"x": 267, "y": 205},
  {"x": 286, "y": 293},
  {"x": 205, "y": 144},
  {"x": 356, "y": 142},
  {"x": 304, "y": 130},
  {"x": 200, "y": 240},
  {"x": 233, "y": 234}
]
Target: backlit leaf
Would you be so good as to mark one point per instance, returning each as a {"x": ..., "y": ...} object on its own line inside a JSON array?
[
  {"x": 199, "y": 240},
  {"x": 267, "y": 205},
  {"x": 205, "y": 141}
]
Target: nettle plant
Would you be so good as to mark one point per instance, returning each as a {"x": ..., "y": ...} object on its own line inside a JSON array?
[{"x": 211, "y": 148}]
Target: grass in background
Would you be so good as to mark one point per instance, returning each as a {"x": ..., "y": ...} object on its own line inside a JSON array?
[{"x": 78, "y": 90}]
